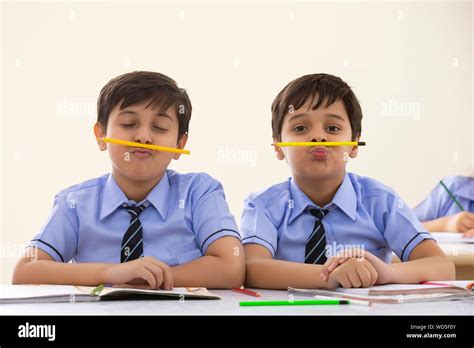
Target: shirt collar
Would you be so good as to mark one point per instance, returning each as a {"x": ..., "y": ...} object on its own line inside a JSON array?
[
  {"x": 114, "y": 197},
  {"x": 345, "y": 199}
]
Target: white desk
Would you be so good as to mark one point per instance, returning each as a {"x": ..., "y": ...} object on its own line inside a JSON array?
[
  {"x": 461, "y": 254},
  {"x": 229, "y": 305}
]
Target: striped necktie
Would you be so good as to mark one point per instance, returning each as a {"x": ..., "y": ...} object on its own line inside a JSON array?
[
  {"x": 132, "y": 242},
  {"x": 316, "y": 243}
]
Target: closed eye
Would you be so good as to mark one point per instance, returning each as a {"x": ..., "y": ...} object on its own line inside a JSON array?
[
  {"x": 127, "y": 125},
  {"x": 160, "y": 129}
]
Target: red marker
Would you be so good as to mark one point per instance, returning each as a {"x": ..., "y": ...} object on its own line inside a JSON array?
[{"x": 246, "y": 292}]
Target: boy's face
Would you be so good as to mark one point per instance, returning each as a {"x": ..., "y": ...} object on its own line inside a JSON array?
[
  {"x": 327, "y": 123},
  {"x": 144, "y": 125}
]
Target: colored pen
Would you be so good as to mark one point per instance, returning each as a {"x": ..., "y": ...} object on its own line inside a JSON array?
[
  {"x": 97, "y": 290},
  {"x": 145, "y": 146},
  {"x": 321, "y": 143},
  {"x": 469, "y": 285},
  {"x": 452, "y": 196},
  {"x": 246, "y": 292},
  {"x": 295, "y": 303},
  {"x": 435, "y": 283}
]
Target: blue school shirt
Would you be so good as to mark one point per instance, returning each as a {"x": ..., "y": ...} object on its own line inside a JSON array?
[
  {"x": 364, "y": 214},
  {"x": 439, "y": 204},
  {"x": 185, "y": 213}
]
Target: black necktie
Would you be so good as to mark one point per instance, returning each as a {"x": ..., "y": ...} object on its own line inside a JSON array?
[
  {"x": 316, "y": 243},
  {"x": 132, "y": 242}
]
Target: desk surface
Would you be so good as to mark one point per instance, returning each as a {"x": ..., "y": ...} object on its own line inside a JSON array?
[{"x": 229, "y": 305}]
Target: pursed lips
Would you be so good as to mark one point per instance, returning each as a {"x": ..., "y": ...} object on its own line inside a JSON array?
[
  {"x": 318, "y": 149},
  {"x": 141, "y": 151}
]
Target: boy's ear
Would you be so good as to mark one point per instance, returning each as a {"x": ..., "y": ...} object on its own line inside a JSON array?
[
  {"x": 181, "y": 144},
  {"x": 99, "y": 132},
  {"x": 355, "y": 149},
  {"x": 278, "y": 151}
]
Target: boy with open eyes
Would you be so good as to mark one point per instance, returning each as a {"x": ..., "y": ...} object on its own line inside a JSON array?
[{"x": 293, "y": 231}]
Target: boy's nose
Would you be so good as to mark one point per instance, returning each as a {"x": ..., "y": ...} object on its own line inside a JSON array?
[
  {"x": 143, "y": 136},
  {"x": 318, "y": 139}
]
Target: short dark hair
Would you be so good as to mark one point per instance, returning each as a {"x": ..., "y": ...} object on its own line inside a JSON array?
[
  {"x": 142, "y": 86},
  {"x": 320, "y": 86}
]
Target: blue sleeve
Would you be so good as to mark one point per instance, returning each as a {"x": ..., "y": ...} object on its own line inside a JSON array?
[
  {"x": 402, "y": 229},
  {"x": 58, "y": 236},
  {"x": 256, "y": 227},
  {"x": 212, "y": 218},
  {"x": 433, "y": 207}
]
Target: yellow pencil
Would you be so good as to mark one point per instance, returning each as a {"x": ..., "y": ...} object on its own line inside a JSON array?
[
  {"x": 145, "y": 146},
  {"x": 323, "y": 143}
]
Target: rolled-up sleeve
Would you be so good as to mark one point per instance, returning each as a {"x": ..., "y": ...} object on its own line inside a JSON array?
[
  {"x": 256, "y": 227},
  {"x": 58, "y": 236},
  {"x": 212, "y": 218},
  {"x": 403, "y": 230}
]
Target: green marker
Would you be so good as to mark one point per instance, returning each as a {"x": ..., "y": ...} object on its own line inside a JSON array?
[
  {"x": 294, "y": 303},
  {"x": 452, "y": 196}
]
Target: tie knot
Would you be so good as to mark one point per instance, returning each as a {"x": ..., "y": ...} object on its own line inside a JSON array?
[
  {"x": 136, "y": 210},
  {"x": 319, "y": 213}
]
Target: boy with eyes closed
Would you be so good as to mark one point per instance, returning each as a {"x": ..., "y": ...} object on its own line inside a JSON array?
[{"x": 142, "y": 224}]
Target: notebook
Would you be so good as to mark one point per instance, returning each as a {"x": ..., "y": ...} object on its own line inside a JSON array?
[
  {"x": 399, "y": 293},
  {"x": 70, "y": 293},
  {"x": 452, "y": 237}
]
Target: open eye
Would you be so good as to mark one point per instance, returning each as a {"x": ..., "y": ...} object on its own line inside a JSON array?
[
  {"x": 299, "y": 129},
  {"x": 333, "y": 129}
]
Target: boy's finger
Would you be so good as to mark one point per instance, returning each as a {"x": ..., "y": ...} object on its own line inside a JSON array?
[
  {"x": 364, "y": 275},
  {"x": 324, "y": 270},
  {"x": 157, "y": 273},
  {"x": 468, "y": 223},
  {"x": 167, "y": 282},
  {"x": 470, "y": 215},
  {"x": 469, "y": 233},
  {"x": 343, "y": 259},
  {"x": 148, "y": 276},
  {"x": 334, "y": 264},
  {"x": 354, "y": 278},
  {"x": 168, "y": 278},
  {"x": 344, "y": 281},
  {"x": 373, "y": 273}
]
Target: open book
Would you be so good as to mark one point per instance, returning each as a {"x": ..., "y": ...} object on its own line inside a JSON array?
[
  {"x": 70, "y": 293},
  {"x": 399, "y": 293},
  {"x": 452, "y": 238}
]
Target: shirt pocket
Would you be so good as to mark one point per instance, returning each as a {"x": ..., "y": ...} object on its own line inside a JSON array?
[{"x": 184, "y": 252}]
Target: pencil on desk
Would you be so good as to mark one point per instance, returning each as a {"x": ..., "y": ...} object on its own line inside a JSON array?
[
  {"x": 97, "y": 290},
  {"x": 145, "y": 146},
  {"x": 451, "y": 195},
  {"x": 246, "y": 292},
  {"x": 323, "y": 143}
]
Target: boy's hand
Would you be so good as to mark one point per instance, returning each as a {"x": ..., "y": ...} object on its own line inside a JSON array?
[
  {"x": 352, "y": 273},
  {"x": 144, "y": 270},
  {"x": 469, "y": 233},
  {"x": 384, "y": 271},
  {"x": 461, "y": 222}
]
